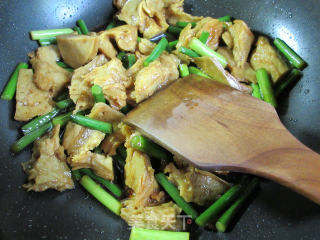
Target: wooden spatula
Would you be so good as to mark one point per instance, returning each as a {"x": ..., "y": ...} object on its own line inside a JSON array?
[{"x": 217, "y": 127}]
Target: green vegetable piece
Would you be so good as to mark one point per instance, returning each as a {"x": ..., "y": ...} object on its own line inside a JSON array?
[
  {"x": 219, "y": 206},
  {"x": 39, "y": 121},
  {"x": 266, "y": 87},
  {"x": 30, "y": 137},
  {"x": 256, "y": 90},
  {"x": 62, "y": 64},
  {"x": 188, "y": 52},
  {"x": 62, "y": 119},
  {"x": 97, "y": 150},
  {"x": 156, "y": 52},
  {"x": 111, "y": 25},
  {"x": 203, "y": 50},
  {"x": 65, "y": 103},
  {"x": 121, "y": 56},
  {"x": 172, "y": 45},
  {"x": 175, "y": 195},
  {"x": 224, "y": 221},
  {"x": 139, "y": 39},
  {"x": 183, "y": 69},
  {"x": 78, "y": 30},
  {"x": 50, "y": 33},
  {"x": 101, "y": 195},
  {"x": 174, "y": 29},
  {"x": 294, "y": 59},
  {"x": 115, "y": 189},
  {"x": 184, "y": 24},
  {"x": 148, "y": 234},
  {"x": 225, "y": 19},
  {"x": 47, "y": 41},
  {"x": 204, "y": 37},
  {"x": 145, "y": 145},
  {"x": 197, "y": 71},
  {"x": 10, "y": 89},
  {"x": 76, "y": 174},
  {"x": 97, "y": 94},
  {"x": 65, "y": 66},
  {"x": 104, "y": 127},
  {"x": 292, "y": 77},
  {"x": 83, "y": 27},
  {"x": 130, "y": 59}
]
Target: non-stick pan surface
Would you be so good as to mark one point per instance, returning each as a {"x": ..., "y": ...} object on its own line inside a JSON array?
[{"x": 275, "y": 213}]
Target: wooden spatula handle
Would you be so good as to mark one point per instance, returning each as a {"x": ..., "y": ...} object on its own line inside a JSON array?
[{"x": 296, "y": 168}]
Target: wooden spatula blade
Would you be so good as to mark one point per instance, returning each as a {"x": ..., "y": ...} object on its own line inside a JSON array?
[{"x": 217, "y": 127}]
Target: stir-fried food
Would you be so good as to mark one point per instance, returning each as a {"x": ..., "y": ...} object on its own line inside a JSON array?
[{"x": 79, "y": 90}]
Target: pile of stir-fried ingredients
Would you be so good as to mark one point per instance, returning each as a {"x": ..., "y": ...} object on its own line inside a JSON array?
[{"x": 82, "y": 84}]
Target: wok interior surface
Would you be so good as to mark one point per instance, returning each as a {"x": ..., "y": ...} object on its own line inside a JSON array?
[{"x": 275, "y": 212}]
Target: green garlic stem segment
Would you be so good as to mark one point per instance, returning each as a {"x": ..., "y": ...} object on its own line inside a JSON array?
[
  {"x": 97, "y": 150},
  {"x": 39, "y": 121},
  {"x": 188, "y": 52},
  {"x": 203, "y": 50},
  {"x": 47, "y": 41},
  {"x": 219, "y": 205},
  {"x": 256, "y": 90},
  {"x": 204, "y": 37},
  {"x": 121, "y": 56},
  {"x": 65, "y": 66},
  {"x": 183, "y": 69},
  {"x": 83, "y": 27},
  {"x": 291, "y": 55},
  {"x": 97, "y": 94},
  {"x": 49, "y": 33},
  {"x": 226, "y": 218},
  {"x": 197, "y": 71},
  {"x": 130, "y": 59},
  {"x": 145, "y": 145},
  {"x": 115, "y": 189},
  {"x": 30, "y": 137},
  {"x": 62, "y": 64},
  {"x": 78, "y": 30},
  {"x": 182, "y": 24},
  {"x": 225, "y": 19},
  {"x": 104, "y": 127},
  {"x": 156, "y": 52},
  {"x": 291, "y": 78},
  {"x": 111, "y": 25},
  {"x": 172, "y": 45},
  {"x": 65, "y": 103},
  {"x": 76, "y": 174},
  {"x": 101, "y": 195},
  {"x": 266, "y": 87},
  {"x": 62, "y": 119},
  {"x": 175, "y": 195},
  {"x": 10, "y": 89},
  {"x": 148, "y": 234},
  {"x": 174, "y": 29}
]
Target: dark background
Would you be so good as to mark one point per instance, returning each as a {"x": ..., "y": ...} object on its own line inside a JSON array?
[{"x": 275, "y": 213}]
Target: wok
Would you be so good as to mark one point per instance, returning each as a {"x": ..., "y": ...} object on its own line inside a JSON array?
[{"x": 275, "y": 212}]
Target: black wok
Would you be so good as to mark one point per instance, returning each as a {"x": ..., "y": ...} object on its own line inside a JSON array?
[{"x": 275, "y": 212}]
